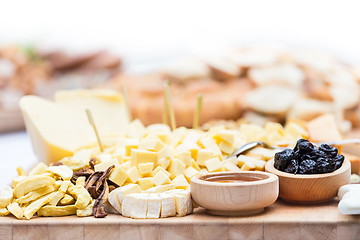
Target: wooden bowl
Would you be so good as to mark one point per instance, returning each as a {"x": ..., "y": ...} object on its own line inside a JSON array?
[
  {"x": 237, "y": 198},
  {"x": 310, "y": 188}
]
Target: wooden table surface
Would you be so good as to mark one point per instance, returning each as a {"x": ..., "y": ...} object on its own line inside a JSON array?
[{"x": 280, "y": 221}]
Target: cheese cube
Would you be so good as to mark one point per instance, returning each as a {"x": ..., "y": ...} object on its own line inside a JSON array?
[
  {"x": 164, "y": 162},
  {"x": 140, "y": 206},
  {"x": 274, "y": 128},
  {"x": 184, "y": 156},
  {"x": 118, "y": 175},
  {"x": 195, "y": 165},
  {"x": 146, "y": 168},
  {"x": 128, "y": 204},
  {"x": 160, "y": 189},
  {"x": 105, "y": 165},
  {"x": 226, "y": 147},
  {"x": 204, "y": 155},
  {"x": 259, "y": 165},
  {"x": 243, "y": 158},
  {"x": 182, "y": 203},
  {"x": 190, "y": 172},
  {"x": 146, "y": 183},
  {"x": 225, "y": 135},
  {"x": 126, "y": 165},
  {"x": 187, "y": 200},
  {"x": 233, "y": 160},
  {"x": 116, "y": 196},
  {"x": 151, "y": 145},
  {"x": 248, "y": 166},
  {"x": 129, "y": 145},
  {"x": 165, "y": 152},
  {"x": 133, "y": 175},
  {"x": 135, "y": 129},
  {"x": 189, "y": 146},
  {"x": 295, "y": 130},
  {"x": 105, "y": 157},
  {"x": 142, "y": 156},
  {"x": 161, "y": 178},
  {"x": 157, "y": 169},
  {"x": 203, "y": 171},
  {"x": 229, "y": 166},
  {"x": 180, "y": 182},
  {"x": 261, "y": 153},
  {"x": 168, "y": 207},
  {"x": 214, "y": 165},
  {"x": 176, "y": 168},
  {"x": 154, "y": 206}
]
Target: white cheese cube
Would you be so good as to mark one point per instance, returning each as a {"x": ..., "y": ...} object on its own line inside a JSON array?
[
  {"x": 140, "y": 206},
  {"x": 128, "y": 204},
  {"x": 168, "y": 207},
  {"x": 154, "y": 206}
]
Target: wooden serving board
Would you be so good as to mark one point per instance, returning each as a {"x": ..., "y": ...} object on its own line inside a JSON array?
[{"x": 280, "y": 221}]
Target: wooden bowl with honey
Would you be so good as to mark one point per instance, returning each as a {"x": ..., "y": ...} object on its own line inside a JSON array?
[
  {"x": 234, "y": 193},
  {"x": 310, "y": 188}
]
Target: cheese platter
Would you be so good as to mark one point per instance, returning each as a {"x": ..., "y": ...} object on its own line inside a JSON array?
[{"x": 101, "y": 173}]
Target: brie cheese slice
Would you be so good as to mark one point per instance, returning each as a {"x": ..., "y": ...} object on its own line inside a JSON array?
[
  {"x": 154, "y": 206},
  {"x": 140, "y": 207},
  {"x": 168, "y": 208}
]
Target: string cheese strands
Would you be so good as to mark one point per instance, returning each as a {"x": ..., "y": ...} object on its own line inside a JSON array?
[
  {"x": 126, "y": 100},
  {"x": 197, "y": 111},
  {"x": 170, "y": 107},
  {"x": 92, "y": 123}
]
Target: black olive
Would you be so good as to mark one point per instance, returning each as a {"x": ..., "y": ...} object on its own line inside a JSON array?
[
  {"x": 339, "y": 159},
  {"x": 305, "y": 146},
  {"x": 323, "y": 165}
]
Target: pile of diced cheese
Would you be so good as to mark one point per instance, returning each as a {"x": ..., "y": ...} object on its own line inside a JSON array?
[
  {"x": 155, "y": 155},
  {"x": 160, "y": 201}
]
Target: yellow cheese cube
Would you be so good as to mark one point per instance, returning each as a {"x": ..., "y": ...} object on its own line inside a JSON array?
[
  {"x": 252, "y": 132},
  {"x": 146, "y": 183},
  {"x": 176, "y": 168},
  {"x": 126, "y": 158},
  {"x": 204, "y": 155},
  {"x": 177, "y": 136},
  {"x": 161, "y": 178},
  {"x": 165, "y": 152},
  {"x": 272, "y": 127},
  {"x": 261, "y": 153},
  {"x": 133, "y": 174},
  {"x": 135, "y": 129},
  {"x": 146, "y": 168},
  {"x": 295, "y": 130},
  {"x": 118, "y": 175},
  {"x": 248, "y": 166},
  {"x": 157, "y": 169},
  {"x": 259, "y": 164},
  {"x": 195, "y": 165},
  {"x": 180, "y": 182},
  {"x": 126, "y": 165},
  {"x": 184, "y": 156},
  {"x": 105, "y": 165},
  {"x": 104, "y": 157},
  {"x": 225, "y": 135},
  {"x": 214, "y": 165},
  {"x": 242, "y": 159},
  {"x": 142, "y": 156},
  {"x": 229, "y": 166},
  {"x": 226, "y": 147},
  {"x": 151, "y": 145},
  {"x": 190, "y": 172},
  {"x": 203, "y": 171},
  {"x": 164, "y": 162},
  {"x": 129, "y": 145}
]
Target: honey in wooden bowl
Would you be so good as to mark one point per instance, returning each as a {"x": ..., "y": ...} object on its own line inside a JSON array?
[{"x": 234, "y": 193}]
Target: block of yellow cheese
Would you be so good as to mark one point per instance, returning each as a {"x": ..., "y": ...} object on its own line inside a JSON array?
[
  {"x": 55, "y": 131},
  {"x": 142, "y": 156},
  {"x": 107, "y": 106}
]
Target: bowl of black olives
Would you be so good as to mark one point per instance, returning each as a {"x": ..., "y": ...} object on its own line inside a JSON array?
[{"x": 309, "y": 174}]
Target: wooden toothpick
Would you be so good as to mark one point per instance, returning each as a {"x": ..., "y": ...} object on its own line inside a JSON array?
[
  {"x": 126, "y": 100},
  {"x": 197, "y": 111},
  {"x": 92, "y": 123},
  {"x": 170, "y": 107}
]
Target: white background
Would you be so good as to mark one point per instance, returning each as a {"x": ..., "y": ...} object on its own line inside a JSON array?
[{"x": 148, "y": 33}]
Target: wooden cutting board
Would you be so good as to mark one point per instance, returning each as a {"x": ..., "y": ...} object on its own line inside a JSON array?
[{"x": 279, "y": 221}]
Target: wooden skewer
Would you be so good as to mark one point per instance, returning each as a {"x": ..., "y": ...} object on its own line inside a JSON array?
[
  {"x": 92, "y": 123},
  {"x": 170, "y": 107},
  {"x": 126, "y": 100},
  {"x": 197, "y": 111},
  {"x": 165, "y": 110}
]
